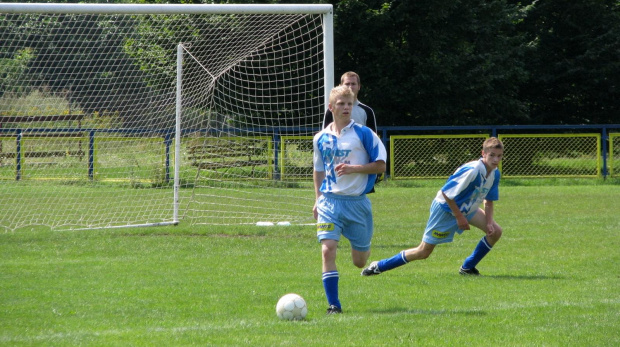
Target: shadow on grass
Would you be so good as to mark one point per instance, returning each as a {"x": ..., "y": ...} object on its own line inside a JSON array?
[
  {"x": 398, "y": 247},
  {"x": 525, "y": 277},
  {"x": 402, "y": 310}
]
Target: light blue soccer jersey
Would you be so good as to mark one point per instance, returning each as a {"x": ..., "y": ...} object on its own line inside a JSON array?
[
  {"x": 356, "y": 145},
  {"x": 469, "y": 187}
]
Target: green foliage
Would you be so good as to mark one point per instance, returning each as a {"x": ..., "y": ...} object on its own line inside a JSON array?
[
  {"x": 218, "y": 285},
  {"x": 13, "y": 70},
  {"x": 450, "y": 62},
  {"x": 483, "y": 62},
  {"x": 36, "y": 103},
  {"x": 423, "y": 62},
  {"x": 575, "y": 61}
]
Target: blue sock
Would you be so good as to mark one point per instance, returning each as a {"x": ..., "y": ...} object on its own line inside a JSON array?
[
  {"x": 330, "y": 283},
  {"x": 393, "y": 262},
  {"x": 480, "y": 251}
]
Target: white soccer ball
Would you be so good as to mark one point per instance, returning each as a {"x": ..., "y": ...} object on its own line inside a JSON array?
[{"x": 291, "y": 307}]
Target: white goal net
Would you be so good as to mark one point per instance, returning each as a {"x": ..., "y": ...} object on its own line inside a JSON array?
[{"x": 134, "y": 115}]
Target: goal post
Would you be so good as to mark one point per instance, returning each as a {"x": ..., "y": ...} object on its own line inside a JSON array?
[{"x": 119, "y": 115}]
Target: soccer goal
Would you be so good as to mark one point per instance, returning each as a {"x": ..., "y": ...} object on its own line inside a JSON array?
[{"x": 137, "y": 115}]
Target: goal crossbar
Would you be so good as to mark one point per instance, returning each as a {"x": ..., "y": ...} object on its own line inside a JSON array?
[{"x": 165, "y": 8}]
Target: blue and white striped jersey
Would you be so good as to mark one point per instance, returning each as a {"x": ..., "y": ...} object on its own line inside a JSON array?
[
  {"x": 469, "y": 187},
  {"x": 356, "y": 145}
]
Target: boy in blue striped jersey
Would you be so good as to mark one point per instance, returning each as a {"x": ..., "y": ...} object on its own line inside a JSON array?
[
  {"x": 347, "y": 158},
  {"x": 455, "y": 208}
]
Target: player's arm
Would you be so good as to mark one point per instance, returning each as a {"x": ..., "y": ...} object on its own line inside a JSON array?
[
  {"x": 488, "y": 212},
  {"x": 376, "y": 167},
  {"x": 317, "y": 177},
  {"x": 461, "y": 221}
]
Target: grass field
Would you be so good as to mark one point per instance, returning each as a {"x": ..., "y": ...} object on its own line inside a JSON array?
[{"x": 553, "y": 280}]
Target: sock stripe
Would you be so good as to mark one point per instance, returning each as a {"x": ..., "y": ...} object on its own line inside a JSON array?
[
  {"x": 486, "y": 243},
  {"x": 330, "y": 274},
  {"x": 402, "y": 255}
]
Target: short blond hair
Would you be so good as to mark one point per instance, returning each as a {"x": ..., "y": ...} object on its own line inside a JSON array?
[
  {"x": 492, "y": 143},
  {"x": 340, "y": 91}
]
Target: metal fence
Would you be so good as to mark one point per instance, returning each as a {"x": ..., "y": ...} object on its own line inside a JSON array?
[
  {"x": 614, "y": 155},
  {"x": 414, "y": 152},
  {"x": 530, "y": 151},
  {"x": 431, "y": 156},
  {"x": 526, "y": 155},
  {"x": 435, "y": 152}
]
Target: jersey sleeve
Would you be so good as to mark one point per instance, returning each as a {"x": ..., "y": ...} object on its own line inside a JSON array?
[
  {"x": 459, "y": 181},
  {"x": 317, "y": 158},
  {"x": 493, "y": 194},
  {"x": 373, "y": 145}
]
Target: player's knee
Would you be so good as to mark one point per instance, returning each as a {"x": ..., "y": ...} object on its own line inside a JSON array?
[
  {"x": 329, "y": 251},
  {"x": 360, "y": 263},
  {"x": 498, "y": 231},
  {"x": 497, "y": 234},
  {"x": 360, "y": 258}
]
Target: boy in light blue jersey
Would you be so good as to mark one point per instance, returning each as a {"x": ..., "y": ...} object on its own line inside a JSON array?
[
  {"x": 347, "y": 159},
  {"x": 455, "y": 207}
]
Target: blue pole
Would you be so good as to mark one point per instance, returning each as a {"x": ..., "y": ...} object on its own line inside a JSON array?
[
  {"x": 276, "y": 148},
  {"x": 18, "y": 156},
  {"x": 91, "y": 155}
]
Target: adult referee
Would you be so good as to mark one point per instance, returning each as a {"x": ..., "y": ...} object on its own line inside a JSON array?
[{"x": 362, "y": 113}]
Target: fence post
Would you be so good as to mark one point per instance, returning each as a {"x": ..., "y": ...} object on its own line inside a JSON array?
[
  {"x": 91, "y": 155},
  {"x": 276, "y": 149},
  {"x": 18, "y": 155},
  {"x": 604, "y": 144}
]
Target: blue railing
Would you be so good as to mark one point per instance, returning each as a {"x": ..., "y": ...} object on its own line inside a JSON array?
[{"x": 384, "y": 132}]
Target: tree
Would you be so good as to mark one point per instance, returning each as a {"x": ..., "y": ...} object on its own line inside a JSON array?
[
  {"x": 575, "y": 63},
  {"x": 63, "y": 54},
  {"x": 434, "y": 62}
]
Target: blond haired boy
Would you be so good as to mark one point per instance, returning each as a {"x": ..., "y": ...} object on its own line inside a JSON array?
[{"x": 347, "y": 158}]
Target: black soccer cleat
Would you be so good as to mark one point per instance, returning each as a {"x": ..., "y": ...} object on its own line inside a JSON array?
[
  {"x": 333, "y": 309},
  {"x": 372, "y": 269},
  {"x": 469, "y": 272}
]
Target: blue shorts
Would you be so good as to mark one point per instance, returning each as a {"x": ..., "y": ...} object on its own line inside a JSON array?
[
  {"x": 350, "y": 216},
  {"x": 441, "y": 225}
]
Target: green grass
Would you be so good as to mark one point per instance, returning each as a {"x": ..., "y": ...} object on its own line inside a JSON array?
[{"x": 552, "y": 280}]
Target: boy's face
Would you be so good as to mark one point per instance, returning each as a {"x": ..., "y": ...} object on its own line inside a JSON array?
[
  {"x": 352, "y": 83},
  {"x": 341, "y": 108},
  {"x": 492, "y": 157}
]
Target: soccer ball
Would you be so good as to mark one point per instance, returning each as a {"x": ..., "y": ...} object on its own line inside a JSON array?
[{"x": 291, "y": 307}]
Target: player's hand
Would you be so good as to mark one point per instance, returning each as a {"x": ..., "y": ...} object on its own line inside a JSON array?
[
  {"x": 315, "y": 213},
  {"x": 342, "y": 169},
  {"x": 490, "y": 229},
  {"x": 462, "y": 222},
  {"x": 346, "y": 169}
]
